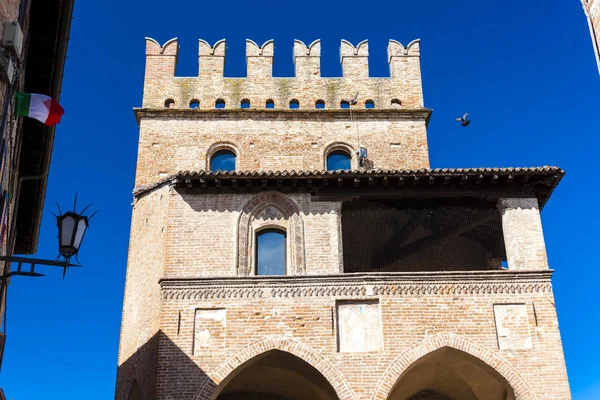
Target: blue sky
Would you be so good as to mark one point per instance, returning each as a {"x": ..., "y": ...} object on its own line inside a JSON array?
[{"x": 525, "y": 70}]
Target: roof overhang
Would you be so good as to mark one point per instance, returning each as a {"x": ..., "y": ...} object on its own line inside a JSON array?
[
  {"x": 49, "y": 26},
  {"x": 488, "y": 184},
  {"x": 237, "y": 113}
]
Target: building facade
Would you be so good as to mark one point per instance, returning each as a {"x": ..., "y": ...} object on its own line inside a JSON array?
[
  {"x": 33, "y": 47},
  {"x": 592, "y": 14},
  {"x": 289, "y": 241}
]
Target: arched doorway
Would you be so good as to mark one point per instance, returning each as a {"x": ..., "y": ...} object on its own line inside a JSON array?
[
  {"x": 275, "y": 375},
  {"x": 451, "y": 374}
]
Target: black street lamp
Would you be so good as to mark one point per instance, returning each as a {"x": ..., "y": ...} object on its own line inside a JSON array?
[{"x": 71, "y": 229}]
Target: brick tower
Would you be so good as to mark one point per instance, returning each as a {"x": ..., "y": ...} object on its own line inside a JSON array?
[{"x": 289, "y": 242}]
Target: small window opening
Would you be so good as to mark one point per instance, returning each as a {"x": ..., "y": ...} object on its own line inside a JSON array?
[
  {"x": 223, "y": 160},
  {"x": 344, "y": 104},
  {"x": 195, "y": 103},
  {"x": 339, "y": 159},
  {"x": 319, "y": 104},
  {"x": 169, "y": 103},
  {"x": 245, "y": 103},
  {"x": 369, "y": 104},
  {"x": 220, "y": 103},
  {"x": 294, "y": 104},
  {"x": 270, "y": 252},
  {"x": 270, "y": 104},
  {"x": 396, "y": 103}
]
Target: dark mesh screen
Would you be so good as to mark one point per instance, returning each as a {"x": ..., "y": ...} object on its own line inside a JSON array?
[{"x": 384, "y": 236}]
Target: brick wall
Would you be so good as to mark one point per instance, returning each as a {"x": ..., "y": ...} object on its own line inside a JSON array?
[
  {"x": 209, "y": 314},
  {"x": 416, "y": 319},
  {"x": 203, "y": 232},
  {"x": 141, "y": 305},
  {"x": 307, "y": 87},
  {"x": 287, "y": 142}
]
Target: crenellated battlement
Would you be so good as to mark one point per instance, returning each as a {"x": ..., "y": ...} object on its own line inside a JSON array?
[{"x": 163, "y": 89}]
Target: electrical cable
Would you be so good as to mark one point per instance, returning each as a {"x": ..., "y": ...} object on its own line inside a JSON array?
[{"x": 19, "y": 348}]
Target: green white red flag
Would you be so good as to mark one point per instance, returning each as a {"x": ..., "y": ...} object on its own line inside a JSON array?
[{"x": 38, "y": 106}]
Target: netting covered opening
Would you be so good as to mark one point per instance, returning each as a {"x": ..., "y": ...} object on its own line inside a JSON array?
[
  {"x": 276, "y": 375},
  {"x": 402, "y": 236}
]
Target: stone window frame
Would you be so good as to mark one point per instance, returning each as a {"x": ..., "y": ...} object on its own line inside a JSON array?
[
  {"x": 219, "y": 146},
  {"x": 337, "y": 146},
  {"x": 291, "y": 222}
]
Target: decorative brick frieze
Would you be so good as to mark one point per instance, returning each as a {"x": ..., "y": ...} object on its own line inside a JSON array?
[{"x": 358, "y": 285}]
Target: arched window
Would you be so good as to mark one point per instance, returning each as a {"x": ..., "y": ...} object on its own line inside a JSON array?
[
  {"x": 319, "y": 104},
  {"x": 369, "y": 104},
  {"x": 195, "y": 103},
  {"x": 220, "y": 103},
  {"x": 294, "y": 104},
  {"x": 135, "y": 393},
  {"x": 338, "y": 159},
  {"x": 396, "y": 103},
  {"x": 270, "y": 104},
  {"x": 169, "y": 103},
  {"x": 223, "y": 160},
  {"x": 344, "y": 104},
  {"x": 270, "y": 252},
  {"x": 245, "y": 103}
]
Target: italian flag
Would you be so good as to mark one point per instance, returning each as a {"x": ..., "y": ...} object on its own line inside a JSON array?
[{"x": 40, "y": 107}]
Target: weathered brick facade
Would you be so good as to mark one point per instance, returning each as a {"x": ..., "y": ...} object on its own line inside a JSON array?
[
  {"x": 592, "y": 13},
  {"x": 199, "y": 323}
]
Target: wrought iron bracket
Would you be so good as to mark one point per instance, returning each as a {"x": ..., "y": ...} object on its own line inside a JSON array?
[{"x": 30, "y": 264}]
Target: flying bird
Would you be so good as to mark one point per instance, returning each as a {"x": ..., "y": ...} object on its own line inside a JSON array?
[
  {"x": 464, "y": 120},
  {"x": 352, "y": 101}
]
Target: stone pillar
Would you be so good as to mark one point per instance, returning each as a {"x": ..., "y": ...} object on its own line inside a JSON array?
[{"x": 523, "y": 234}]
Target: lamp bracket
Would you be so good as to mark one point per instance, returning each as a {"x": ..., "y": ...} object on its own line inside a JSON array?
[{"x": 30, "y": 264}]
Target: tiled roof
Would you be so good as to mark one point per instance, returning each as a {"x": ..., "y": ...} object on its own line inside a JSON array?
[
  {"x": 547, "y": 177},
  {"x": 373, "y": 172}
]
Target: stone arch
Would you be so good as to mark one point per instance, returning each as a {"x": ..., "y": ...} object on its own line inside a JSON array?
[
  {"x": 298, "y": 349},
  {"x": 295, "y": 232},
  {"x": 400, "y": 365},
  {"x": 225, "y": 145}
]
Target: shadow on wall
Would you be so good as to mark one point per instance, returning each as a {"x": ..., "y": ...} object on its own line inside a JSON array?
[
  {"x": 208, "y": 203},
  {"x": 272, "y": 375},
  {"x": 137, "y": 376}
]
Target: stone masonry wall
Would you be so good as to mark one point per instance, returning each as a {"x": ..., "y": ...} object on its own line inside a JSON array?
[{"x": 416, "y": 317}]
